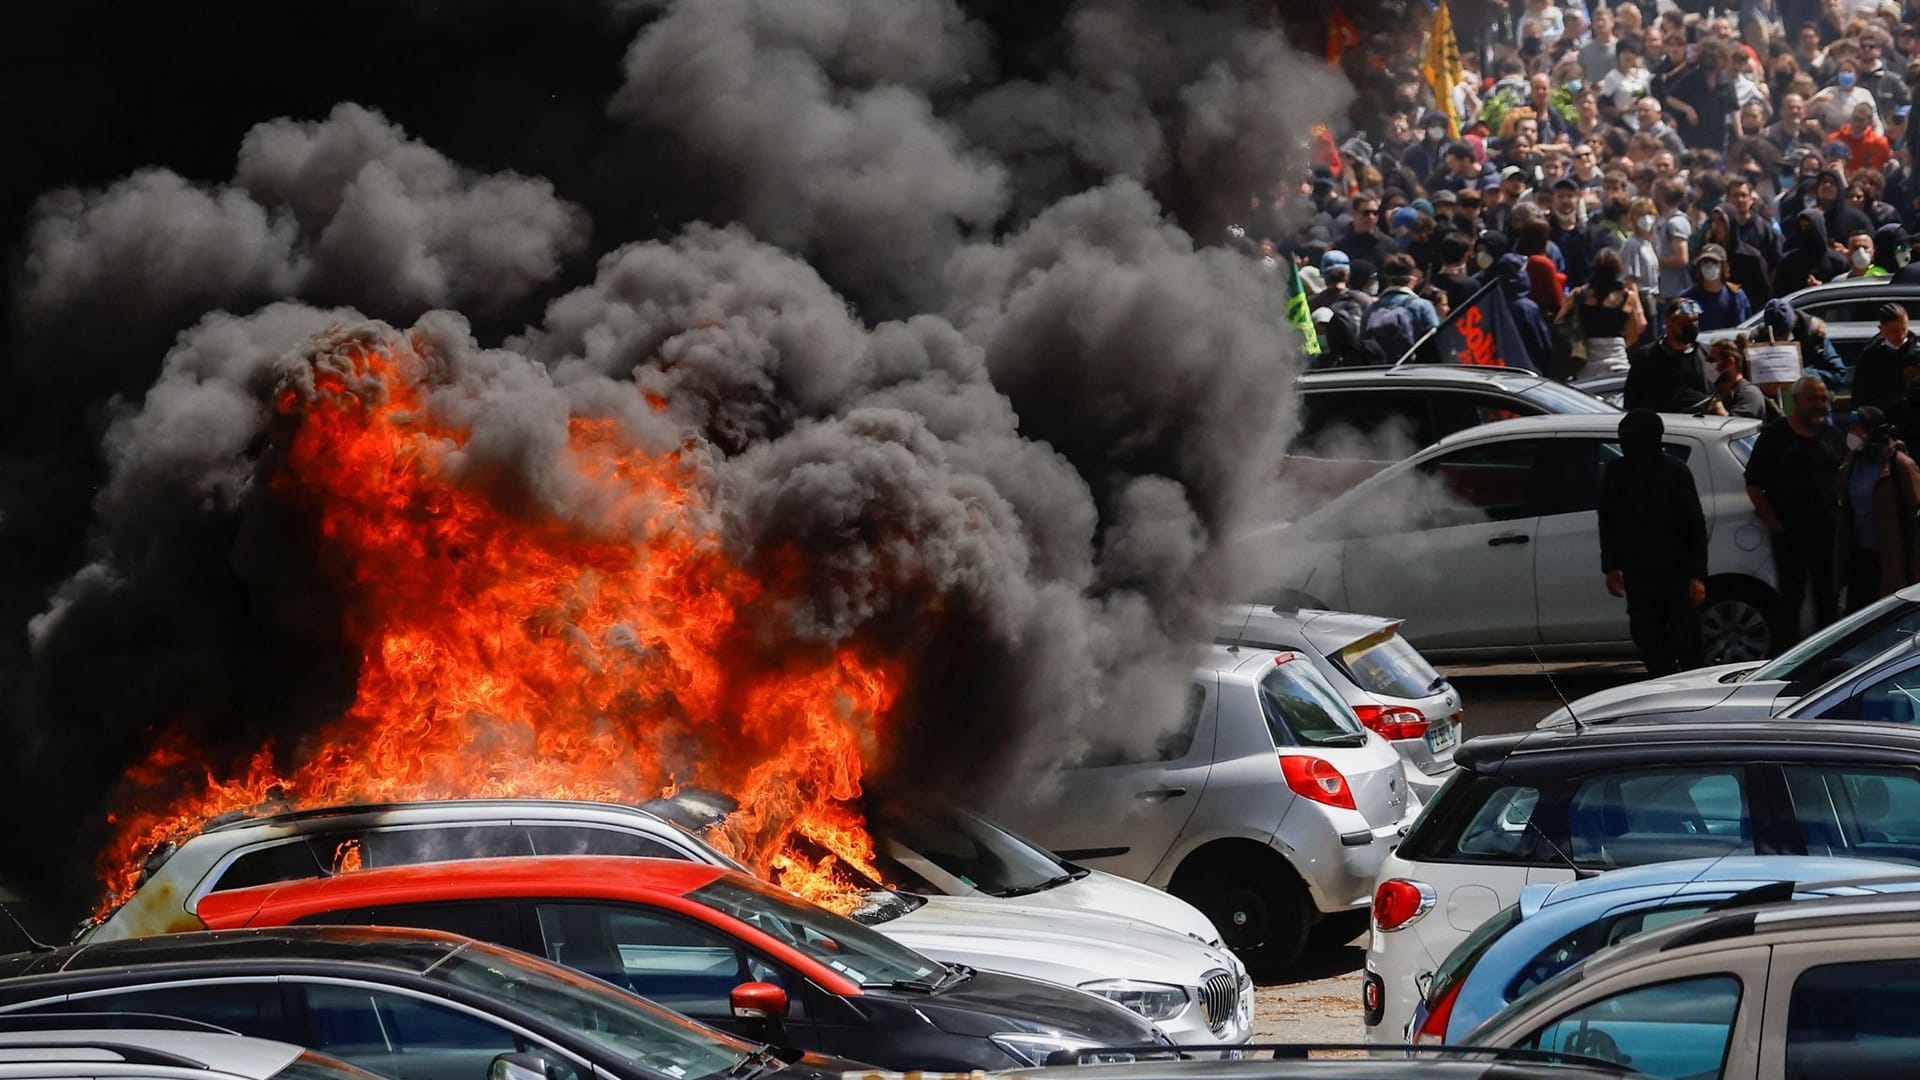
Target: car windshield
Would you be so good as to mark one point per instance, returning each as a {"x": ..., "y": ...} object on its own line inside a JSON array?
[
  {"x": 834, "y": 940},
  {"x": 981, "y": 854},
  {"x": 1558, "y": 398},
  {"x": 1302, "y": 710},
  {"x": 1384, "y": 663},
  {"x": 626, "y": 1025},
  {"x": 1858, "y": 637}
]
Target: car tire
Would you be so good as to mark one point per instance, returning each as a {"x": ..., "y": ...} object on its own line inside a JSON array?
[
  {"x": 1263, "y": 916},
  {"x": 1736, "y": 622}
]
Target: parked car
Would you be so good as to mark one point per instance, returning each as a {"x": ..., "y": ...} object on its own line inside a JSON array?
[
  {"x": 402, "y": 1003},
  {"x": 956, "y": 852},
  {"x": 1389, "y": 685},
  {"x": 1269, "y": 807},
  {"x": 1547, "y": 806},
  {"x": 1849, "y": 307},
  {"x": 1818, "y": 988},
  {"x": 1752, "y": 690},
  {"x": 109, "y": 1053},
  {"x": 1356, "y": 421},
  {"x": 728, "y": 950},
  {"x": 1554, "y": 927},
  {"x": 1128, "y": 961},
  {"x": 1488, "y": 542}
]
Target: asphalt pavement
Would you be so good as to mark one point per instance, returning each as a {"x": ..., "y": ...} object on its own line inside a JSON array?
[{"x": 1321, "y": 1001}]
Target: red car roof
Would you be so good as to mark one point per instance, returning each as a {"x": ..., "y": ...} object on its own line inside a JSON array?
[{"x": 598, "y": 877}]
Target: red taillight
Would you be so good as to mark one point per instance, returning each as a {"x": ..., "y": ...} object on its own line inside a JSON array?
[
  {"x": 1434, "y": 1030},
  {"x": 1315, "y": 778},
  {"x": 1398, "y": 902},
  {"x": 1393, "y": 722}
]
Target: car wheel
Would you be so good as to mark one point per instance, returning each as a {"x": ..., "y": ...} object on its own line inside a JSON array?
[
  {"x": 1264, "y": 919},
  {"x": 1735, "y": 623}
]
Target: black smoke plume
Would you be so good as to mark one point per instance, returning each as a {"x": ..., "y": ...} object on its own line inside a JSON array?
[{"x": 932, "y": 288}]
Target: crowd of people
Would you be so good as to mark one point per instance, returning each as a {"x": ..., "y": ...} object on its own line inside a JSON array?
[{"x": 1632, "y": 175}]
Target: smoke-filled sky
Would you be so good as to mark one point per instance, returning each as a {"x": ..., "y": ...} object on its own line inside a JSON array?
[{"x": 931, "y": 288}]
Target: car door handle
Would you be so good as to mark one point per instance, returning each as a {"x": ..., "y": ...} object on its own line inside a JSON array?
[
  {"x": 1160, "y": 793},
  {"x": 1509, "y": 538}
]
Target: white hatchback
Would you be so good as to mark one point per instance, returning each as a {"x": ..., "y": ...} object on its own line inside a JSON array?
[{"x": 1487, "y": 542}]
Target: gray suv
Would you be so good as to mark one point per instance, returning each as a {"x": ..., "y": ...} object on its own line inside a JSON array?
[{"x": 1268, "y": 807}]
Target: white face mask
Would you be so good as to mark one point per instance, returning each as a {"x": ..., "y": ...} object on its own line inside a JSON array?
[
  {"x": 1901, "y": 256},
  {"x": 1646, "y": 222},
  {"x": 1709, "y": 271},
  {"x": 1862, "y": 258},
  {"x": 1436, "y": 133},
  {"x": 1483, "y": 260},
  {"x": 1269, "y": 263},
  {"x": 1855, "y": 442}
]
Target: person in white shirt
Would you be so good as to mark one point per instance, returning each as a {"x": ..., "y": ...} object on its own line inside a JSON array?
[
  {"x": 1834, "y": 105},
  {"x": 1628, "y": 81}
]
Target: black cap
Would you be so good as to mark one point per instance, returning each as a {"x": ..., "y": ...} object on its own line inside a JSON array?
[{"x": 1566, "y": 183}]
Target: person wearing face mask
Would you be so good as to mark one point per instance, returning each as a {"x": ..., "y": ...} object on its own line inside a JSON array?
[
  {"x": 1809, "y": 259},
  {"x": 1876, "y": 545},
  {"x": 1859, "y": 256},
  {"x": 1723, "y": 305},
  {"x": 1891, "y": 251},
  {"x": 1889, "y": 363},
  {"x": 1428, "y": 154},
  {"x": 1834, "y": 105},
  {"x": 1653, "y": 545},
  {"x": 1640, "y": 253},
  {"x": 1659, "y": 370},
  {"x": 1454, "y": 277},
  {"x": 1611, "y": 315},
  {"x": 1732, "y": 385},
  {"x": 1792, "y": 481}
]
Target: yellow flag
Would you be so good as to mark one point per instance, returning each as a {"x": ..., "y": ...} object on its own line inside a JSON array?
[{"x": 1442, "y": 69}]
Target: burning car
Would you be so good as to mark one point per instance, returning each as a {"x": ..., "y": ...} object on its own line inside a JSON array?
[{"x": 1198, "y": 994}]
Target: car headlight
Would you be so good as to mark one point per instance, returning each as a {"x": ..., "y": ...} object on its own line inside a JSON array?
[
  {"x": 1155, "y": 1001},
  {"x": 1031, "y": 1049}
]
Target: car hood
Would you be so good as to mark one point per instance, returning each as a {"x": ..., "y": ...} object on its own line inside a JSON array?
[
  {"x": 991, "y": 1002},
  {"x": 1101, "y": 893},
  {"x": 1688, "y": 691},
  {"x": 1053, "y": 944}
]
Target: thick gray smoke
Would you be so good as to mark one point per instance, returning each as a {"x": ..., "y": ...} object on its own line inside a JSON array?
[
  {"x": 345, "y": 210},
  {"x": 958, "y": 343}
]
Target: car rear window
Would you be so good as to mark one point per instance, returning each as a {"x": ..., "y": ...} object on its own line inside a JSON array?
[
  {"x": 1475, "y": 819},
  {"x": 1302, "y": 710},
  {"x": 1593, "y": 937},
  {"x": 1384, "y": 663}
]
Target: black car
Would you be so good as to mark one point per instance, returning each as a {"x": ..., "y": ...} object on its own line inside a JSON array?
[
  {"x": 1594, "y": 798},
  {"x": 405, "y": 1004}
]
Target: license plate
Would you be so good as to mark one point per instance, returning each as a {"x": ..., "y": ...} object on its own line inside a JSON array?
[{"x": 1440, "y": 736}]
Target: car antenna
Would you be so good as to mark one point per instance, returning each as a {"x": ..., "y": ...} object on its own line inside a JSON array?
[
  {"x": 38, "y": 945},
  {"x": 1578, "y": 728}
]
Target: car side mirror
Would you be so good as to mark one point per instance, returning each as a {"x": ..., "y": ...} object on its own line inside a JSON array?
[
  {"x": 525, "y": 1067},
  {"x": 758, "y": 1001}
]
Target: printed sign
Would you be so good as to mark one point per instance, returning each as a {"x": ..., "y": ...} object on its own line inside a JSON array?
[{"x": 1774, "y": 364}]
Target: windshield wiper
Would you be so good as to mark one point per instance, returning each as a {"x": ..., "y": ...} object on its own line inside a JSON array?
[
  {"x": 1358, "y": 738},
  {"x": 950, "y": 975},
  {"x": 757, "y": 1061},
  {"x": 1029, "y": 890}
]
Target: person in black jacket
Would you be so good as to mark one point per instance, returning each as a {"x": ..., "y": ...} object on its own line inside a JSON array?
[
  {"x": 1653, "y": 546},
  {"x": 1659, "y": 370},
  {"x": 1886, "y": 365},
  {"x": 1809, "y": 260}
]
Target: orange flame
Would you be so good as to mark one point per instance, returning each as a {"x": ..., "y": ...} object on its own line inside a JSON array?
[{"x": 520, "y": 655}]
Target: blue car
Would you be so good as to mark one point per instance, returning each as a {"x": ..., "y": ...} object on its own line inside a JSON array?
[{"x": 1555, "y": 926}]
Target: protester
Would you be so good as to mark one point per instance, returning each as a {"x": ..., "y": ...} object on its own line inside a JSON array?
[
  {"x": 1809, "y": 259},
  {"x": 1877, "y": 544},
  {"x": 1889, "y": 363},
  {"x": 1723, "y": 305},
  {"x": 1653, "y": 546},
  {"x": 1610, "y": 315},
  {"x": 1660, "y": 369},
  {"x": 1640, "y": 253},
  {"x": 1792, "y": 482},
  {"x": 1732, "y": 381},
  {"x": 1746, "y": 267}
]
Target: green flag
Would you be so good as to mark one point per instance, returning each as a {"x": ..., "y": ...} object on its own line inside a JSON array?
[{"x": 1298, "y": 314}]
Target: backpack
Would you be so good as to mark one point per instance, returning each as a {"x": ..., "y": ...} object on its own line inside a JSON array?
[
  {"x": 1343, "y": 330},
  {"x": 1390, "y": 326}
]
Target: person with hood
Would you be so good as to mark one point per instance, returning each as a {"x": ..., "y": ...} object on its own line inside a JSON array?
[
  {"x": 1781, "y": 324},
  {"x": 1428, "y": 155},
  {"x": 1653, "y": 546},
  {"x": 1745, "y": 265},
  {"x": 1810, "y": 259},
  {"x": 1876, "y": 548},
  {"x": 1658, "y": 370},
  {"x": 1830, "y": 198},
  {"x": 1891, "y": 249},
  {"x": 1511, "y": 272},
  {"x": 1889, "y": 363},
  {"x": 1792, "y": 482},
  {"x": 1723, "y": 305}
]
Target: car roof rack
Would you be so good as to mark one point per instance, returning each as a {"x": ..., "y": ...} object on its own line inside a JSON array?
[
  {"x": 100, "y": 1021},
  {"x": 1301, "y": 1051}
]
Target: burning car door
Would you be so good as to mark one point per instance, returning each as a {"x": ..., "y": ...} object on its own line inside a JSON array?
[{"x": 1124, "y": 805}]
